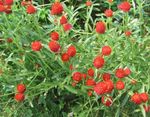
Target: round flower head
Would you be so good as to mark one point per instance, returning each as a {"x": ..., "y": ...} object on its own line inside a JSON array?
[
  {"x": 36, "y": 46},
  {"x": 54, "y": 36},
  {"x": 100, "y": 27},
  {"x": 124, "y": 6},
  {"x": 54, "y": 46},
  {"x": 63, "y": 20},
  {"x": 56, "y": 8},
  {"x": 108, "y": 13},
  {"x": 31, "y": 9},
  {"x": 98, "y": 62}
]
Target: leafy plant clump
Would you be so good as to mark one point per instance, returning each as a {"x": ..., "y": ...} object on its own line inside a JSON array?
[{"x": 74, "y": 58}]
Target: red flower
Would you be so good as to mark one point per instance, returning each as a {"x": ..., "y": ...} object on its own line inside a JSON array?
[
  {"x": 71, "y": 51},
  {"x": 106, "y": 50},
  {"x": 120, "y": 85},
  {"x": 8, "y": 9},
  {"x": 90, "y": 92},
  {"x": 100, "y": 27},
  {"x": 54, "y": 46},
  {"x": 98, "y": 62},
  {"x": 65, "y": 57},
  {"x": 9, "y": 40},
  {"x": 91, "y": 72},
  {"x": 100, "y": 88},
  {"x": 77, "y": 76},
  {"x": 106, "y": 76},
  {"x": 88, "y": 3},
  {"x": 110, "y": 86},
  {"x": 124, "y": 6},
  {"x": 144, "y": 97},
  {"x": 19, "y": 97},
  {"x": 110, "y": 1},
  {"x": 109, "y": 13},
  {"x": 128, "y": 33},
  {"x": 2, "y": 8},
  {"x": 31, "y": 9},
  {"x": 54, "y": 36},
  {"x": 120, "y": 73},
  {"x": 57, "y": 8},
  {"x": 63, "y": 20},
  {"x": 36, "y": 46},
  {"x": 1, "y": 2},
  {"x": 74, "y": 84},
  {"x": 127, "y": 71},
  {"x": 67, "y": 27},
  {"x": 24, "y": 3},
  {"x": 21, "y": 88},
  {"x": 8, "y": 2},
  {"x": 107, "y": 101},
  {"x": 90, "y": 82},
  {"x": 136, "y": 98}
]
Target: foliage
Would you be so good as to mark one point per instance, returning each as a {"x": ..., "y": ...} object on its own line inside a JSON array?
[{"x": 48, "y": 79}]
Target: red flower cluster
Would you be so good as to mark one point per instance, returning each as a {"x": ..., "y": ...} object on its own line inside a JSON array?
[
  {"x": 64, "y": 22},
  {"x": 140, "y": 98},
  {"x": 54, "y": 46},
  {"x": 8, "y": 2},
  {"x": 71, "y": 52},
  {"x": 104, "y": 87},
  {"x": 21, "y": 88},
  {"x": 121, "y": 73},
  {"x": 5, "y": 6}
]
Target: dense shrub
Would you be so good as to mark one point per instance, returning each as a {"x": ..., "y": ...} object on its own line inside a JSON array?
[{"x": 74, "y": 58}]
